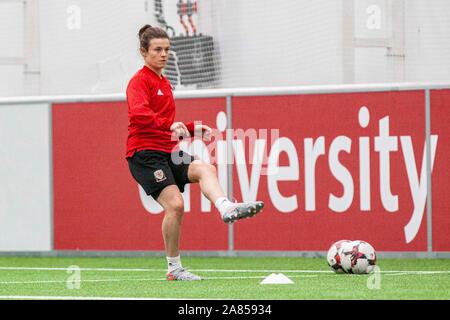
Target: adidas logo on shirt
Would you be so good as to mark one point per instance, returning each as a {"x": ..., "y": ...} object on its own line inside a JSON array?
[{"x": 160, "y": 93}]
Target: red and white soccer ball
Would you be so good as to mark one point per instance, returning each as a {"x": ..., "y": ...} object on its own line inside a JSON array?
[
  {"x": 334, "y": 256},
  {"x": 358, "y": 257}
]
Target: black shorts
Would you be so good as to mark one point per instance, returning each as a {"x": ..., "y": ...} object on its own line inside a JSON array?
[{"x": 155, "y": 170}]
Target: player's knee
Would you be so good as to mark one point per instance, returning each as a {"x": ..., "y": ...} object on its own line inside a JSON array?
[
  {"x": 177, "y": 206},
  {"x": 210, "y": 168},
  {"x": 201, "y": 169},
  {"x": 206, "y": 168}
]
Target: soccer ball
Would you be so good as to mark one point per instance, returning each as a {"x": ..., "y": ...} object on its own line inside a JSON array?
[
  {"x": 334, "y": 256},
  {"x": 358, "y": 257}
]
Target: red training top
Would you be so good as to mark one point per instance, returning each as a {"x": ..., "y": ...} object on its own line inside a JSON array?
[{"x": 151, "y": 112}]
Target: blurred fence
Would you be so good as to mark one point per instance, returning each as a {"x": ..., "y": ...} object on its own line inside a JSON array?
[{"x": 60, "y": 47}]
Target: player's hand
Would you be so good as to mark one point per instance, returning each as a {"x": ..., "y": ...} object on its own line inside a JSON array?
[
  {"x": 202, "y": 130},
  {"x": 179, "y": 130}
]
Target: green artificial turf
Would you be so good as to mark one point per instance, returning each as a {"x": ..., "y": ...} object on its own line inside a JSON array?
[{"x": 224, "y": 278}]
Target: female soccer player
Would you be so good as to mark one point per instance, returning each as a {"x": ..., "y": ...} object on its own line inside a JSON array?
[{"x": 154, "y": 161}]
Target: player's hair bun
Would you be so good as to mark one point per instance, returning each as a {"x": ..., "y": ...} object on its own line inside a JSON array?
[{"x": 143, "y": 29}]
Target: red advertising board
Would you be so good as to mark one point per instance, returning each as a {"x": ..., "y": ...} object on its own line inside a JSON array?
[
  {"x": 97, "y": 204},
  {"x": 440, "y": 120},
  {"x": 347, "y": 161},
  {"x": 328, "y": 167}
]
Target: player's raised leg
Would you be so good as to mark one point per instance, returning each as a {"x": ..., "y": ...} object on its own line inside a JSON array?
[{"x": 206, "y": 175}]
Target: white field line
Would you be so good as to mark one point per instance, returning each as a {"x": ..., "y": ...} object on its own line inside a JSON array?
[
  {"x": 140, "y": 279},
  {"x": 92, "y": 298},
  {"x": 215, "y": 270},
  {"x": 206, "y": 278},
  {"x": 81, "y": 280},
  {"x": 415, "y": 273},
  {"x": 162, "y": 270}
]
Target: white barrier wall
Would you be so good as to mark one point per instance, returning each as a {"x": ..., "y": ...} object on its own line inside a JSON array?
[{"x": 25, "y": 209}]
